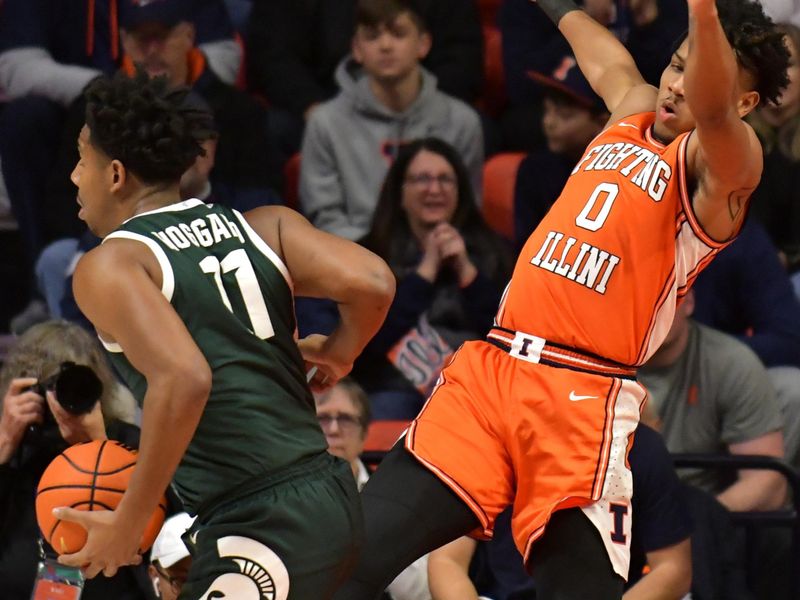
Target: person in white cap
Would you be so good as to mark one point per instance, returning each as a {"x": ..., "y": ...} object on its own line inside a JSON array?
[{"x": 169, "y": 557}]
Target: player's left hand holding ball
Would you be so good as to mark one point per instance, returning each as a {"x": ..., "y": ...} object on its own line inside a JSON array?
[{"x": 111, "y": 543}]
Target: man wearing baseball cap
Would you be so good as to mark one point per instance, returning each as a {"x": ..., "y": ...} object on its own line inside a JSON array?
[
  {"x": 572, "y": 115},
  {"x": 169, "y": 557}
]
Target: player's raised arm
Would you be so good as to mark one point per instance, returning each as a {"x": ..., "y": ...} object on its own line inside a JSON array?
[
  {"x": 327, "y": 266},
  {"x": 605, "y": 62},
  {"x": 726, "y": 157}
]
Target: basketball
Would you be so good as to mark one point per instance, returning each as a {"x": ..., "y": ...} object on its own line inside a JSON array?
[{"x": 89, "y": 476}]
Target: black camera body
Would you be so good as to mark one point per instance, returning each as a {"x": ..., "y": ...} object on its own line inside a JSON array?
[{"x": 77, "y": 388}]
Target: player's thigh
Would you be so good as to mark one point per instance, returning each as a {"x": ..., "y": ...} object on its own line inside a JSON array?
[
  {"x": 297, "y": 541},
  {"x": 573, "y": 439},
  {"x": 459, "y": 435}
]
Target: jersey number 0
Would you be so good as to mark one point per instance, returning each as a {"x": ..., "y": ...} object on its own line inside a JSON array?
[{"x": 594, "y": 223}]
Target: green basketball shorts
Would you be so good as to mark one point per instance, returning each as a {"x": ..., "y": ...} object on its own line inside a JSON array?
[{"x": 297, "y": 538}]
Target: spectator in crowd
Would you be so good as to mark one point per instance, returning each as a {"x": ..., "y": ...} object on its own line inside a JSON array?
[
  {"x": 294, "y": 47},
  {"x": 531, "y": 42},
  {"x": 747, "y": 293},
  {"x": 160, "y": 38},
  {"x": 49, "y": 51},
  {"x": 344, "y": 415},
  {"x": 169, "y": 557},
  {"x": 450, "y": 269},
  {"x": 573, "y": 115},
  {"x": 387, "y": 98},
  {"x": 709, "y": 393},
  {"x": 661, "y": 528},
  {"x": 25, "y": 453},
  {"x": 776, "y": 200}
]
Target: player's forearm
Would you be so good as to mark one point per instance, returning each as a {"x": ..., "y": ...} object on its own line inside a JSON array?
[
  {"x": 667, "y": 582},
  {"x": 363, "y": 309},
  {"x": 711, "y": 70},
  {"x": 172, "y": 410},
  {"x": 603, "y": 60},
  {"x": 670, "y": 576},
  {"x": 556, "y": 9},
  {"x": 448, "y": 581}
]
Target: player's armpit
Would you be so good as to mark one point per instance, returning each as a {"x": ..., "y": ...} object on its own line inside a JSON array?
[{"x": 114, "y": 288}]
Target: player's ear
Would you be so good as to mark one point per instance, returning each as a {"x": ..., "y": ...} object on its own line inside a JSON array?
[
  {"x": 118, "y": 175},
  {"x": 355, "y": 48},
  {"x": 747, "y": 102}
]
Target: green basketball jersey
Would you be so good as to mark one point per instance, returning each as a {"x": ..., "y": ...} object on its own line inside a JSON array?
[{"x": 235, "y": 296}]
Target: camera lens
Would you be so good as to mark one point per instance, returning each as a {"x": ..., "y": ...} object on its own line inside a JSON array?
[{"x": 78, "y": 388}]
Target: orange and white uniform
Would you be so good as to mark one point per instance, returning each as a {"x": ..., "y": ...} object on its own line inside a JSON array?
[{"x": 542, "y": 413}]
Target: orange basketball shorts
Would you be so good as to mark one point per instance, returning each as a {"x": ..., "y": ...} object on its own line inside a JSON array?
[{"x": 499, "y": 431}]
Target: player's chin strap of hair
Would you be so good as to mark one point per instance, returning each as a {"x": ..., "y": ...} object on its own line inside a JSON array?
[{"x": 556, "y": 9}]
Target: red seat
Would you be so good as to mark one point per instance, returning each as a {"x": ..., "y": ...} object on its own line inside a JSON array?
[
  {"x": 241, "y": 76},
  {"x": 499, "y": 178},
  {"x": 493, "y": 97},
  {"x": 488, "y": 11},
  {"x": 382, "y": 435}
]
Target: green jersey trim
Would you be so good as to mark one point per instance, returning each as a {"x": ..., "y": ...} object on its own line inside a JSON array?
[
  {"x": 167, "y": 275},
  {"x": 178, "y": 206}
]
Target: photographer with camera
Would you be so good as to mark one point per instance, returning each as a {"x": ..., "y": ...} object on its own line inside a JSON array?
[{"x": 57, "y": 390}]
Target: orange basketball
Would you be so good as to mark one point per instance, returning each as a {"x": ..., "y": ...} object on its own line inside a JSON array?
[{"x": 88, "y": 476}]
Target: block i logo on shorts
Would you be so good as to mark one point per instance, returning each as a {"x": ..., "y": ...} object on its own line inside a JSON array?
[{"x": 262, "y": 576}]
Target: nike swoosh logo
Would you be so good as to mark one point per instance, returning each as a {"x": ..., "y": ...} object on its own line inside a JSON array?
[
  {"x": 623, "y": 124},
  {"x": 193, "y": 537},
  {"x": 575, "y": 398}
]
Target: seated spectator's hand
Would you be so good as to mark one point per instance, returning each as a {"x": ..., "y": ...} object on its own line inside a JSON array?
[
  {"x": 21, "y": 408},
  {"x": 431, "y": 261},
  {"x": 453, "y": 251},
  {"x": 111, "y": 542},
  {"x": 77, "y": 428},
  {"x": 320, "y": 351}
]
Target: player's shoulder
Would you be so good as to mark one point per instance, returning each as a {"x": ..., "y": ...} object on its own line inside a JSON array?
[
  {"x": 272, "y": 223},
  {"x": 639, "y": 99},
  {"x": 114, "y": 257},
  {"x": 271, "y": 216}
]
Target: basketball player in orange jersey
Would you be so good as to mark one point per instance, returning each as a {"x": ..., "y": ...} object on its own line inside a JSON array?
[{"x": 541, "y": 415}]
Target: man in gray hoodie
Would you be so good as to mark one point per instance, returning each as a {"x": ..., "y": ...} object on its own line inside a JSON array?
[{"x": 386, "y": 99}]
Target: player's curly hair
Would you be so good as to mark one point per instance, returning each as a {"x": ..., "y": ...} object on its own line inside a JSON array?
[
  {"x": 152, "y": 129},
  {"x": 758, "y": 44}
]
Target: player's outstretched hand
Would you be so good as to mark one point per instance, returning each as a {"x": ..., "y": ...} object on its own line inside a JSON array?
[
  {"x": 319, "y": 353},
  {"x": 111, "y": 543}
]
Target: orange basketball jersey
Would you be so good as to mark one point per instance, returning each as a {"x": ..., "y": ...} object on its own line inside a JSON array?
[{"x": 603, "y": 271}]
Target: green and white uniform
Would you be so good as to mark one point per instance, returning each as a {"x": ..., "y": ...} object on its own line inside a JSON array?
[{"x": 258, "y": 432}]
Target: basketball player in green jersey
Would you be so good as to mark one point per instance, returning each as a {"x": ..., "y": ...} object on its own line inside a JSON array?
[{"x": 194, "y": 304}]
